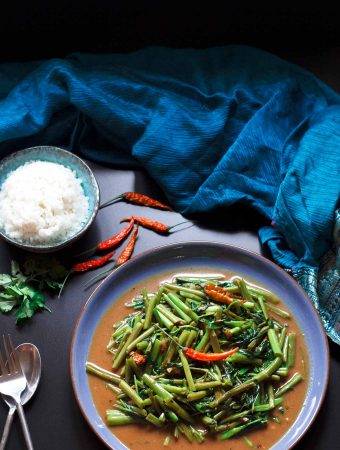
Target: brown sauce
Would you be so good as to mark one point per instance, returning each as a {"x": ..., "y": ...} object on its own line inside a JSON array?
[{"x": 144, "y": 437}]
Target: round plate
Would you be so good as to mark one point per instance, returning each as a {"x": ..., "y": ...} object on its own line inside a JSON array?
[{"x": 215, "y": 257}]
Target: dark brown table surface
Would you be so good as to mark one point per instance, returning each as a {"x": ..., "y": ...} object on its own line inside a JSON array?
[{"x": 54, "y": 418}]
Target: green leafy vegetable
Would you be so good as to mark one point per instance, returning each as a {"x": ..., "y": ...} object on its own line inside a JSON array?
[
  {"x": 22, "y": 292},
  {"x": 165, "y": 370}
]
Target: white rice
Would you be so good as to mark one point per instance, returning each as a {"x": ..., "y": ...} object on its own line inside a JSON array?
[{"x": 41, "y": 203}]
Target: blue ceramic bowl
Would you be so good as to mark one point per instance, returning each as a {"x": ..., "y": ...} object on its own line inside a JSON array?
[
  {"x": 69, "y": 160},
  {"x": 214, "y": 257}
]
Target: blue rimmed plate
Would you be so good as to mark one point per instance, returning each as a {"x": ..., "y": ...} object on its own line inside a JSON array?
[{"x": 215, "y": 257}]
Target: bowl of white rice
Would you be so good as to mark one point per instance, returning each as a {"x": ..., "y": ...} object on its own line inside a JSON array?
[{"x": 49, "y": 197}]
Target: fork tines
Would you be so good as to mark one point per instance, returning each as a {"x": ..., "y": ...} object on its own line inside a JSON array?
[{"x": 12, "y": 359}]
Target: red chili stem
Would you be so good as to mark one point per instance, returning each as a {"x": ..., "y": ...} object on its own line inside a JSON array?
[
  {"x": 92, "y": 263},
  {"x": 137, "y": 199},
  {"x": 128, "y": 250},
  {"x": 110, "y": 202},
  {"x": 152, "y": 224},
  {"x": 199, "y": 356}
]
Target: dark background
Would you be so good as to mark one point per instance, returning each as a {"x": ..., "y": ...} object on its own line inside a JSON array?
[
  {"x": 43, "y": 29},
  {"x": 307, "y": 34}
]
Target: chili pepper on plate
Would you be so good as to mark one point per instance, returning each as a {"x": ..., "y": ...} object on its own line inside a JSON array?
[
  {"x": 217, "y": 293},
  {"x": 199, "y": 356}
]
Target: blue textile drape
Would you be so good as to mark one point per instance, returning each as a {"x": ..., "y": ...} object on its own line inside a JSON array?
[{"x": 213, "y": 127}]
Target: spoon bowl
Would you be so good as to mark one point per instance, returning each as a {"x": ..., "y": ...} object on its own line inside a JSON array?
[{"x": 30, "y": 362}]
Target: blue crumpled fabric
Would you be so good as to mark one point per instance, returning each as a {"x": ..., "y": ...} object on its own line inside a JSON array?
[{"x": 213, "y": 127}]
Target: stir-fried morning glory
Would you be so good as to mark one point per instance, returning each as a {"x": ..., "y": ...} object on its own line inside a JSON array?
[{"x": 201, "y": 356}]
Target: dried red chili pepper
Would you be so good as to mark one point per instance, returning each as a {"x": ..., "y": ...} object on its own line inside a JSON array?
[
  {"x": 92, "y": 263},
  {"x": 199, "y": 356},
  {"x": 137, "y": 199},
  {"x": 138, "y": 358},
  {"x": 111, "y": 242},
  {"x": 85, "y": 266},
  {"x": 114, "y": 240},
  {"x": 152, "y": 224},
  {"x": 217, "y": 293},
  {"x": 123, "y": 257},
  {"x": 127, "y": 252}
]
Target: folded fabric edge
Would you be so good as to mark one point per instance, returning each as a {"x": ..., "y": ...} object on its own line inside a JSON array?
[{"x": 321, "y": 283}]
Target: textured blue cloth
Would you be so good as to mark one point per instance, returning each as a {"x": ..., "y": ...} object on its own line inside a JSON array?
[{"x": 213, "y": 127}]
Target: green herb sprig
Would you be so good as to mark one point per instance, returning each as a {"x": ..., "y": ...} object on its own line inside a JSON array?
[{"x": 22, "y": 292}]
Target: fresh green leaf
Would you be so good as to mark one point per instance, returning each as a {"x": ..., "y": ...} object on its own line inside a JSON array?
[
  {"x": 5, "y": 279},
  {"x": 37, "y": 300},
  {"x": 7, "y": 304},
  {"x": 29, "y": 305},
  {"x": 24, "y": 311},
  {"x": 23, "y": 291},
  {"x": 13, "y": 290},
  {"x": 5, "y": 296}
]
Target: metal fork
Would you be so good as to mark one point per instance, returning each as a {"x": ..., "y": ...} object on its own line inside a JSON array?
[{"x": 13, "y": 382}]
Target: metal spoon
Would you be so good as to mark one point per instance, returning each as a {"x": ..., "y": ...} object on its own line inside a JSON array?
[{"x": 30, "y": 362}]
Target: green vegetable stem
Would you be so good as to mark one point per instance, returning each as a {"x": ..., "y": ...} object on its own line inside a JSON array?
[{"x": 197, "y": 365}]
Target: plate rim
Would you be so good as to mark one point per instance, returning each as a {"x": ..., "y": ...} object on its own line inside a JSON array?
[{"x": 159, "y": 248}]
